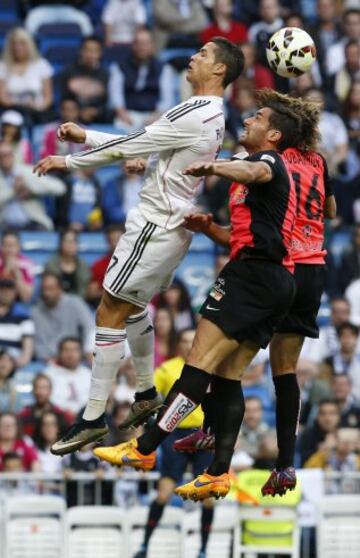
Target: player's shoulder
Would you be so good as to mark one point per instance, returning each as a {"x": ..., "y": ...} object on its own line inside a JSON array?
[
  {"x": 267, "y": 156},
  {"x": 194, "y": 110}
]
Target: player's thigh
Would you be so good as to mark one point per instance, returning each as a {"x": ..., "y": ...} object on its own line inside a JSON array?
[
  {"x": 145, "y": 260},
  {"x": 234, "y": 366},
  {"x": 210, "y": 346},
  {"x": 285, "y": 349}
]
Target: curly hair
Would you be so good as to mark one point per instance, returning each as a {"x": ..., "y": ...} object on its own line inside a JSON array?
[{"x": 297, "y": 119}]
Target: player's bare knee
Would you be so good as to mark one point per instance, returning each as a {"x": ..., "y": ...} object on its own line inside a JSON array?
[{"x": 110, "y": 312}]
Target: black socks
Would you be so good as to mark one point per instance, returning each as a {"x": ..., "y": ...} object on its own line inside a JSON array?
[
  {"x": 229, "y": 407},
  {"x": 145, "y": 395},
  {"x": 207, "y": 516},
  {"x": 187, "y": 392},
  {"x": 155, "y": 513},
  {"x": 287, "y": 417}
]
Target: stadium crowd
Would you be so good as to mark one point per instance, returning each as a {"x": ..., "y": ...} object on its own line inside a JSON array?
[{"x": 117, "y": 65}]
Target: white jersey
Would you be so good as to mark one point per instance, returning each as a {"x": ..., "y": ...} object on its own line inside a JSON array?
[{"x": 191, "y": 131}]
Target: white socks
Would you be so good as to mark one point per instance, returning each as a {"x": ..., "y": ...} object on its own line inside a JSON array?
[
  {"x": 140, "y": 335},
  {"x": 109, "y": 350}
]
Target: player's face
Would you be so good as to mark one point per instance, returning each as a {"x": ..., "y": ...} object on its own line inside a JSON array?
[
  {"x": 256, "y": 129},
  {"x": 202, "y": 64}
]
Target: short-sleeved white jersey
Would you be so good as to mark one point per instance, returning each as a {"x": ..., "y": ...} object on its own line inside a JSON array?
[{"x": 191, "y": 131}]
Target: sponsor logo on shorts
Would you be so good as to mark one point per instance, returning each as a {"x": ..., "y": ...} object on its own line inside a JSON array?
[
  {"x": 208, "y": 307},
  {"x": 179, "y": 409}
]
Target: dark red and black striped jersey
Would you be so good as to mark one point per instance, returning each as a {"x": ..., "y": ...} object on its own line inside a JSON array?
[
  {"x": 312, "y": 185},
  {"x": 262, "y": 215}
]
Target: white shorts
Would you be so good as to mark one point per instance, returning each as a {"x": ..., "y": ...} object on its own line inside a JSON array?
[{"x": 145, "y": 259}]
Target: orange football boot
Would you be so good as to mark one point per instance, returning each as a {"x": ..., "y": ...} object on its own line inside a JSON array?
[{"x": 126, "y": 455}]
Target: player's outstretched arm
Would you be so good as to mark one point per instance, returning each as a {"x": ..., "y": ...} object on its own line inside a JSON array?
[
  {"x": 245, "y": 172},
  {"x": 330, "y": 207},
  {"x": 203, "y": 222},
  {"x": 52, "y": 162},
  {"x": 69, "y": 131}
]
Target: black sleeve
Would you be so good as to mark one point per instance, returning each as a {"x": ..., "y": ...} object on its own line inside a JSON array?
[
  {"x": 271, "y": 158},
  {"x": 327, "y": 180}
]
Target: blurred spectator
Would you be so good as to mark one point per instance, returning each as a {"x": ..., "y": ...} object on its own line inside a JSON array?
[
  {"x": 140, "y": 85},
  {"x": 346, "y": 359},
  {"x": 319, "y": 436},
  {"x": 57, "y": 315},
  {"x": 16, "y": 326},
  {"x": 87, "y": 81},
  {"x": 13, "y": 463},
  {"x": 224, "y": 25},
  {"x": 119, "y": 195},
  {"x": 80, "y": 208},
  {"x": 312, "y": 388},
  {"x": 44, "y": 13},
  {"x": 8, "y": 394},
  {"x": 334, "y": 147},
  {"x": 349, "y": 407},
  {"x": 327, "y": 345},
  {"x": 85, "y": 461},
  {"x": 177, "y": 22},
  {"x": 350, "y": 72},
  {"x": 69, "y": 378},
  {"x": 98, "y": 269},
  {"x": 335, "y": 55},
  {"x": 327, "y": 30},
  {"x": 176, "y": 299},
  {"x": 11, "y": 440},
  {"x": 352, "y": 294},
  {"x": 270, "y": 21},
  {"x": 242, "y": 106},
  {"x": 25, "y": 77},
  {"x": 21, "y": 192},
  {"x": 66, "y": 263},
  {"x": 69, "y": 111},
  {"x": 337, "y": 455},
  {"x": 45, "y": 435},
  {"x": 350, "y": 260},
  {"x": 165, "y": 336},
  {"x": 260, "y": 76},
  {"x": 253, "y": 430},
  {"x": 30, "y": 415},
  {"x": 16, "y": 266},
  {"x": 12, "y": 123},
  {"x": 351, "y": 111},
  {"x": 121, "y": 19}
]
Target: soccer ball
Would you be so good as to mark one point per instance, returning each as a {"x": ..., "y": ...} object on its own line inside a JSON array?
[{"x": 290, "y": 52}]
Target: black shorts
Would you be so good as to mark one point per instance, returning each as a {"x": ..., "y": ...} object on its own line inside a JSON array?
[
  {"x": 249, "y": 299},
  {"x": 301, "y": 319}
]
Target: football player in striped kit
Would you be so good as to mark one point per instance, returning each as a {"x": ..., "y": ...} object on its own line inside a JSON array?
[{"x": 155, "y": 241}]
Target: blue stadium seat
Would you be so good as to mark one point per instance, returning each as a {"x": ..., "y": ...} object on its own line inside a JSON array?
[
  {"x": 60, "y": 56},
  {"x": 58, "y": 36},
  {"x": 340, "y": 242},
  {"x": 115, "y": 53}
]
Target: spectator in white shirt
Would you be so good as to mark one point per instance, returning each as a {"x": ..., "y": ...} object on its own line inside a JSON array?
[
  {"x": 270, "y": 21},
  {"x": 352, "y": 294},
  {"x": 121, "y": 19},
  {"x": 335, "y": 58},
  {"x": 347, "y": 358},
  {"x": 70, "y": 379}
]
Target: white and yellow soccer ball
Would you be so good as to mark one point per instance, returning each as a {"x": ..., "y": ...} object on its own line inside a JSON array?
[{"x": 291, "y": 52}]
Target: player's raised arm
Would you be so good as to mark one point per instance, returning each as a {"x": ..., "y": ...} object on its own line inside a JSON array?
[{"x": 239, "y": 171}]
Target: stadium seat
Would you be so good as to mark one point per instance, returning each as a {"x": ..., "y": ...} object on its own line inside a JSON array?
[
  {"x": 338, "y": 533},
  {"x": 167, "y": 540},
  {"x": 34, "y": 527},
  {"x": 60, "y": 57},
  {"x": 96, "y": 531},
  {"x": 224, "y": 535},
  {"x": 268, "y": 514}
]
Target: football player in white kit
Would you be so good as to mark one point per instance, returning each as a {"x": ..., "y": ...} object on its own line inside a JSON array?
[{"x": 155, "y": 241}]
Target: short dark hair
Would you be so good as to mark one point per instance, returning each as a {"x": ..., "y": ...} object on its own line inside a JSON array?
[
  {"x": 348, "y": 326},
  {"x": 41, "y": 376},
  {"x": 328, "y": 401},
  {"x": 10, "y": 455},
  {"x": 53, "y": 275},
  {"x": 10, "y": 232},
  {"x": 91, "y": 38},
  {"x": 350, "y": 11},
  {"x": 69, "y": 339},
  {"x": 231, "y": 55}
]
